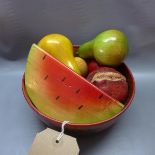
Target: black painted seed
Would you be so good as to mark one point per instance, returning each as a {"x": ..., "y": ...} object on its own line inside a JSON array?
[
  {"x": 100, "y": 96},
  {"x": 78, "y": 90},
  {"x": 57, "y": 97},
  {"x": 63, "y": 79},
  {"x": 81, "y": 106},
  {"x": 45, "y": 78},
  {"x": 44, "y": 57}
]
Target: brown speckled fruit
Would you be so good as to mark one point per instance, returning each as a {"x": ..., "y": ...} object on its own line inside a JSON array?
[{"x": 110, "y": 81}]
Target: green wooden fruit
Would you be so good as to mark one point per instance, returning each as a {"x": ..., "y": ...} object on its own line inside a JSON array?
[{"x": 108, "y": 48}]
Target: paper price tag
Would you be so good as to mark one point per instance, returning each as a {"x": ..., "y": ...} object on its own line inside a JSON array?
[{"x": 45, "y": 144}]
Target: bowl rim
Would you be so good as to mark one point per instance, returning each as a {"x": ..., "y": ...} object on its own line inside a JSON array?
[{"x": 82, "y": 125}]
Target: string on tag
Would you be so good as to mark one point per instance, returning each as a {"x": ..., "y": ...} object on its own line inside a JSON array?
[{"x": 62, "y": 131}]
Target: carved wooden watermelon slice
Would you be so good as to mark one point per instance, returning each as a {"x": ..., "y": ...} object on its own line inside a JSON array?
[{"x": 61, "y": 94}]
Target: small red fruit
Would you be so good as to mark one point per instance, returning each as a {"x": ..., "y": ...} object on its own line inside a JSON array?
[
  {"x": 93, "y": 65},
  {"x": 110, "y": 81}
]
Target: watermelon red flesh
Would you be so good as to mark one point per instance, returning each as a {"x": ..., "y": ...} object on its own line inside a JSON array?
[{"x": 61, "y": 94}]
